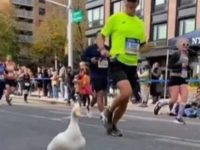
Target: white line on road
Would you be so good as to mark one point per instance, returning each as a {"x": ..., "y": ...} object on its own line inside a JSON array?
[
  {"x": 60, "y": 112},
  {"x": 152, "y": 119},
  {"x": 166, "y": 138},
  {"x": 33, "y": 116},
  {"x": 191, "y": 142},
  {"x": 185, "y": 143}
]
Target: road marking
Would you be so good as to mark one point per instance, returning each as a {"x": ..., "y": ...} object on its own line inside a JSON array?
[
  {"x": 60, "y": 112},
  {"x": 152, "y": 119},
  {"x": 165, "y": 138},
  {"x": 185, "y": 143},
  {"x": 177, "y": 140},
  {"x": 33, "y": 116}
]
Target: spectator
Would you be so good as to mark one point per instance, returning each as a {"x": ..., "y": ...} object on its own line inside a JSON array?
[{"x": 155, "y": 88}]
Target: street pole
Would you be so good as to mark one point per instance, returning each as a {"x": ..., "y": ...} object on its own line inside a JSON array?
[
  {"x": 56, "y": 62},
  {"x": 166, "y": 74},
  {"x": 70, "y": 47}
]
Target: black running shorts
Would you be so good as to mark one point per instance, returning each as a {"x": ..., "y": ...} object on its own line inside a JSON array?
[
  {"x": 119, "y": 72},
  {"x": 176, "y": 81}
]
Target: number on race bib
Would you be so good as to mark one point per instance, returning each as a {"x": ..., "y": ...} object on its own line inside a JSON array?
[
  {"x": 102, "y": 63},
  {"x": 132, "y": 45}
]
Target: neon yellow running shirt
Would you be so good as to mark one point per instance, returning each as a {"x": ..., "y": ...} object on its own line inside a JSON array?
[{"x": 127, "y": 33}]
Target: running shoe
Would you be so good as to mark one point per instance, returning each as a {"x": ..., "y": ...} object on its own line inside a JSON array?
[
  {"x": 116, "y": 132},
  {"x": 143, "y": 105},
  {"x": 8, "y": 100},
  {"x": 108, "y": 120},
  {"x": 103, "y": 118},
  {"x": 89, "y": 114},
  {"x": 157, "y": 108},
  {"x": 179, "y": 121},
  {"x": 172, "y": 114}
]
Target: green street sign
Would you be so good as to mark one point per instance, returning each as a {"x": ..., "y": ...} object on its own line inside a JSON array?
[{"x": 77, "y": 16}]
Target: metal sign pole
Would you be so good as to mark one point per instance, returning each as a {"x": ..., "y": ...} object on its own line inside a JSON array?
[
  {"x": 166, "y": 74},
  {"x": 70, "y": 48}
]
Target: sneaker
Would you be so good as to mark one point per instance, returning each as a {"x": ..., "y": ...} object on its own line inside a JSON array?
[
  {"x": 108, "y": 120},
  {"x": 172, "y": 114},
  {"x": 179, "y": 121},
  {"x": 143, "y": 105},
  {"x": 103, "y": 118},
  {"x": 89, "y": 114},
  {"x": 116, "y": 132},
  {"x": 157, "y": 108},
  {"x": 68, "y": 102},
  {"x": 8, "y": 100},
  {"x": 25, "y": 98}
]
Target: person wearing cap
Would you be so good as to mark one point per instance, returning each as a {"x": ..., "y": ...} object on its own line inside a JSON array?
[{"x": 127, "y": 39}]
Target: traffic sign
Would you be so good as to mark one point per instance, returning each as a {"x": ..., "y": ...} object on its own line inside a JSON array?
[{"x": 77, "y": 16}]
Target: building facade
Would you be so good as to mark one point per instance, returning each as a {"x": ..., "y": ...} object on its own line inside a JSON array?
[
  {"x": 28, "y": 15},
  {"x": 164, "y": 19}
]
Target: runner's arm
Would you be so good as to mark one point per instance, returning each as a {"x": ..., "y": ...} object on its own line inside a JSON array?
[{"x": 146, "y": 47}]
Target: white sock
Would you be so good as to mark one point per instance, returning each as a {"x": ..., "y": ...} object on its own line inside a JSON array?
[{"x": 174, "y": 108}]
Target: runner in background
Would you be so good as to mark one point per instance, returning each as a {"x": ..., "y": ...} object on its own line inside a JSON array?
[
  {"x": 10, "y": 78},
  {"x": 98, "y": 74},
  {"x": 178, "y": 66}
]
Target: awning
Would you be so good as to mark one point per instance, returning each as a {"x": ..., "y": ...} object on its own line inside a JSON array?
[{"x": 194, "y": 38}]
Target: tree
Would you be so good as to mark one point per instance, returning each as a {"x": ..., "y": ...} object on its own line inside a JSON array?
[
  {"x": 79, "y": 29},
  {"x": 8, "y": 37},
  {"x": 50, "y": 37}
]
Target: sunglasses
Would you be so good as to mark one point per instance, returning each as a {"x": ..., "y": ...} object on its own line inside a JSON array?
[
  {"x": 133, "y": 1},
  {"x": 186, "y": 45}
]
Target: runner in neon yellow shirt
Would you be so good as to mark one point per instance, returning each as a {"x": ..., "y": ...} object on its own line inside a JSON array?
[{"x": 127, "y": 35}]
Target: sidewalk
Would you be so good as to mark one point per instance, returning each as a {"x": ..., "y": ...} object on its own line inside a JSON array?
[{"x": 131, "y": 106}]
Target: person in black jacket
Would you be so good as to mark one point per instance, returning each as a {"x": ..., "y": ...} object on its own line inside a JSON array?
[
  {"x": 98, "y": 74},
  {"x": 178, "y": 66}
]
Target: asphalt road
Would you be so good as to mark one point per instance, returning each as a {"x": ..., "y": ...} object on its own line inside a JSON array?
[{"x": 32, "y": 126}]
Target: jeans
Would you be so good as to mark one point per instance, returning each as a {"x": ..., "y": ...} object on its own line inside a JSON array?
[
  {"x": 62, "y": 90},
  {"x": 55, "y": 91},
  {"x": 66, "y": 93},
  {"x": 144, "y": 93}
]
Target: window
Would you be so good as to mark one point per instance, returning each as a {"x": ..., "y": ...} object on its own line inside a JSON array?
[
  {"x": 91, "y": 40},
  {"x": 117, "y": 6},
  {"x": 42, "y": 11},
  {"x": 160, "y": 5},
  {"x": 141, "y": 5},
  {"x": 91, "y": 0},
  {"x": 186, "y": 25},
  {"x": 186, "y": 2},
  {"x": 160, "y": 2},
  {"x": 159, "y": 31},
  {"x": 95, "y": 17},
  {"x": 42, "y": 1}
]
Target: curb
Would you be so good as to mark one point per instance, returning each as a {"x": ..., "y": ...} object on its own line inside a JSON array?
[
  {"x": 131, "y": 107},
  {"x": 42, "y": 99}
]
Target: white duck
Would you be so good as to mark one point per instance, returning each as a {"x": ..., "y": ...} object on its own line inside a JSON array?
[{"x": 71, "y": 138}]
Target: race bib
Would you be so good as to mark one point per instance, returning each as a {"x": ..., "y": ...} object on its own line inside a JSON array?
[
  {"x": 102, "y": 63},
  {"x": 184, "y": 73},
  {"x": 1, "y": 77},
  {"x": 27, "y": 84},
  {"x": 132, "y": 46}
]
